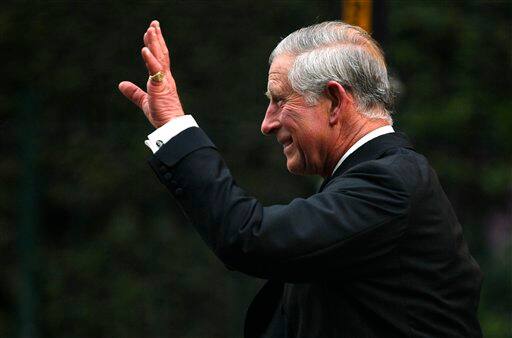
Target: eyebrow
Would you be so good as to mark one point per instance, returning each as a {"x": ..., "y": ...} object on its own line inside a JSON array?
[{"x": 271, "y": 94}]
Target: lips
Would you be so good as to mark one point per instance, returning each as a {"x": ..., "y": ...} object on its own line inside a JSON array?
[
  {"x": 287, "y": 147},
  {"x": 286, "y": 142}
]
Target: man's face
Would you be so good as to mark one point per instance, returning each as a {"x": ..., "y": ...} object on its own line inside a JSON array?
[{"x": 300, "y": 128}]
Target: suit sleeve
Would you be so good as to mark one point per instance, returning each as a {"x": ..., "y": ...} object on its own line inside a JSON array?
[{"x": 350, "y": 227}]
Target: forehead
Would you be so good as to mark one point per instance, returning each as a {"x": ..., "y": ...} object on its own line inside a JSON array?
[
  {"x": 278, "y": 72},
  {"x": 281, "y": 64}
]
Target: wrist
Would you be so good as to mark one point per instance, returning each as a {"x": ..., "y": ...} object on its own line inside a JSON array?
[{"x": 160, "y": 122}]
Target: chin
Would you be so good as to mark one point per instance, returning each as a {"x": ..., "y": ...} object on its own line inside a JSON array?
[{"x": 295, "y": 168}]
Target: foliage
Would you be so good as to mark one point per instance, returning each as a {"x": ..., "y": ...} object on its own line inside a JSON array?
[{"x": 112, "y": 253}]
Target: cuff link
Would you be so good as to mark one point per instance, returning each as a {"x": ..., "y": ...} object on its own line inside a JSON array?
[{"x": 159, "y": 143}]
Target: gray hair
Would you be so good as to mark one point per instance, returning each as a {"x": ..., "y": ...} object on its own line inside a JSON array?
[{"x": 336, "y": 51}]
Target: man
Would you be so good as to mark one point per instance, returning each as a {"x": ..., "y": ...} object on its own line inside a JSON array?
[{"x": 377, "y": 252}]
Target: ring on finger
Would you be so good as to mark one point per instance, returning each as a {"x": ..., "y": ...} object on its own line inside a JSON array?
[{"x": 158, "y": 77}]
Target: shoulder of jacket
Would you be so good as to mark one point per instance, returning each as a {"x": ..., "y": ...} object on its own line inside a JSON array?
[{"x": 398, "y": 166}]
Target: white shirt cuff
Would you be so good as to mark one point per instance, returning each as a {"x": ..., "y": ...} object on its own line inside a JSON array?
[{"x": 166, "y": 132}]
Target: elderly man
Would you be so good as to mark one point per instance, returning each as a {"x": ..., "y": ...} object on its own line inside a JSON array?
[{"x": 376, "y": 252}]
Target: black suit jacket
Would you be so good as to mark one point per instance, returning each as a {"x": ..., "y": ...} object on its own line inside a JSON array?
[{"x": 377, "y": 252}]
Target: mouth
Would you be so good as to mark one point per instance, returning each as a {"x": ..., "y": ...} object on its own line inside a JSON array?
[{"x": 286, "y": 143}]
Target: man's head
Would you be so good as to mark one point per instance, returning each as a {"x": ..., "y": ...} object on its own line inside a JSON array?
[{"x": 326, "y": 82}]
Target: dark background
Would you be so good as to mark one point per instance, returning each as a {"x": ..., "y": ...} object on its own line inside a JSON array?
[{"x": 92, "y": 245}]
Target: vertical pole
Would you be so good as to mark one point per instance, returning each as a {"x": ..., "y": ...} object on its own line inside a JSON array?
[
  {"x": 369, "y": 15},
  {"x": 27, "y": 211},
  {"x": 358, "y": 13}
]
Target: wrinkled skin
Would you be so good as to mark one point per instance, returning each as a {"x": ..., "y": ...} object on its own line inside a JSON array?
[
  {"x": 302, "y": 129},
  {"x": 160, "y": 103}
]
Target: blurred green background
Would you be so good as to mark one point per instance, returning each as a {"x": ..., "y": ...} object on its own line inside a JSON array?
[{"x": 92, "y": 245}]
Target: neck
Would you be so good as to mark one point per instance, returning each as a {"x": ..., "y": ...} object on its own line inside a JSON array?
[{"x": 346, "y": 136}]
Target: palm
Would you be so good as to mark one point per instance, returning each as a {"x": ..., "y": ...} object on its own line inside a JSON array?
[{"x": 161, "y": 104}]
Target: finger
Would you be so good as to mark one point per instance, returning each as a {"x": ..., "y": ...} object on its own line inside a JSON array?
[
  {"x": 163, "y": 46},
  {"x": 154, "y": 24},
  {"x": 161, "y": 40},
  {"x": 152, "y": 64},
  {"x": 145, "y": 39},
  {"x": 133, "y": 93},
  {"x": 154, "y": 44}
]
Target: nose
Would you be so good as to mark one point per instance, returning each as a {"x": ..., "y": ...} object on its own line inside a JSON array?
[{"x": 271, "y": 122}]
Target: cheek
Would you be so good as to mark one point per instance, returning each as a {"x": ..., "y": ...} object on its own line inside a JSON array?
[{"x": 293, "y": 118}]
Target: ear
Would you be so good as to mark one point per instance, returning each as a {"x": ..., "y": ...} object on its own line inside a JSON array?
[{"x": 340, "y": 100}]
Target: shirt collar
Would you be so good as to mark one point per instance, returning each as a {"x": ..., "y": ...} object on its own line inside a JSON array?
[{"x": 370, "y": 136}]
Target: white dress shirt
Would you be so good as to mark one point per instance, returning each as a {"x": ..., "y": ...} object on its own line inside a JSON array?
[
  {"x": 370, "y": 136},
  {"x": 166, "y": 132}
]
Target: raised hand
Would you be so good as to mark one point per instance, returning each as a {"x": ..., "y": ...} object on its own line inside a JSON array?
[{"x": 161, "y": 102}]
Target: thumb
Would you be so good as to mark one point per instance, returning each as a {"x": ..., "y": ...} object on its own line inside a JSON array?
[{"x": 133, "y": 93}]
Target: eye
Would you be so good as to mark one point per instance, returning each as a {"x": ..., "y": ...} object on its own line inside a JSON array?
[{"x": 279, "y": 101}]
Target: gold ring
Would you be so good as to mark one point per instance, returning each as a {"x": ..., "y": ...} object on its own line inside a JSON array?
[{"x": 158, "y": 77}]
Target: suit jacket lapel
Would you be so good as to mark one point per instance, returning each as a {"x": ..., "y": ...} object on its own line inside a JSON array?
[{"x": 371, "y": 150}]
